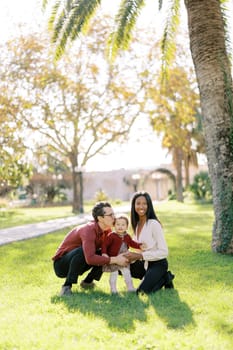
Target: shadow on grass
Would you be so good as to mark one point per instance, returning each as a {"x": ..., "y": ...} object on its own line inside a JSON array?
[
  {"x": 173, "y": 311},
  {"x": 121, "y": 311}
]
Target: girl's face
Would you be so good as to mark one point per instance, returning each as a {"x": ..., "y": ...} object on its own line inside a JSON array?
[
  {"x": 141, "y": 206},
  {"x": 120, "y": 226}
]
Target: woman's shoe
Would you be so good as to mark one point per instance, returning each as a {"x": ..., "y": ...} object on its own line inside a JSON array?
[{"x": 169, "y": 284}]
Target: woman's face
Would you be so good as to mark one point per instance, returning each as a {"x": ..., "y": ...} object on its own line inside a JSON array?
[{"x": 141, "y": 206}]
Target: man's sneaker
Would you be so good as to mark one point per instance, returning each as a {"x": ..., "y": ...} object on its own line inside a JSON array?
[
  {"x": 86, "y": 285},
  {"x": 66, "y": 290}
]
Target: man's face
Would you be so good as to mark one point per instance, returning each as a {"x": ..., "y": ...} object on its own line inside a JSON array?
[{"x": 107, "y": 220}]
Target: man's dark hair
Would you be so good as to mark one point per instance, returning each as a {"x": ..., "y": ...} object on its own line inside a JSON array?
[{"x": 98, "y": 209}]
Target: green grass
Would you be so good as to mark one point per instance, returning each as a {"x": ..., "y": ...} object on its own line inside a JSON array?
[
  {"x": 197, "y": 315},
  {"x": 21, "y": 216}
]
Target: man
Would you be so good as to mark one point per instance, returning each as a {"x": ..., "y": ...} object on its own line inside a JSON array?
[{"x": 80, "y": 250}]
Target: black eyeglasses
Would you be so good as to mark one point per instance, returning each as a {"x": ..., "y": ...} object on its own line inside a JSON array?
[{"x": 112, "y": 215}]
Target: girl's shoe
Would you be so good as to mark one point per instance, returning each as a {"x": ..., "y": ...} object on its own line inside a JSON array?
[{"x": 86, "y": 285}]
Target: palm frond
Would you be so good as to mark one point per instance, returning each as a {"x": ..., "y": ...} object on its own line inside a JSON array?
[
  {"x": 125, "y": 21},
  {"x": 68, "y": 19},
  {"x": 170, "y": 31},
  {"x": 160, "y": 4},
  {"x": 55, "y": 17},
  {"x": 225, "y": 11},
  {"x": 81, "y": 15},
  {"x": 44, "y": 4}
]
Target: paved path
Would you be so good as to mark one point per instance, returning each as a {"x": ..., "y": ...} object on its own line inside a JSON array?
[
  {"x": 23, "y": 232},
  {"x": 20, "y": 233}
]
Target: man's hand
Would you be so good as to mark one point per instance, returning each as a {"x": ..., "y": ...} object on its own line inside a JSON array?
[{"x": 120, "y": 260}]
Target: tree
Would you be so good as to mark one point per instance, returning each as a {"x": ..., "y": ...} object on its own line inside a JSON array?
[
  {"x": 207, "y": 35},
  {"x": 75, "y": 108},
  {"x": 173, "y": 115},
  {"x": 214, "y": 78},
  {"x": 14, "y": 167}
]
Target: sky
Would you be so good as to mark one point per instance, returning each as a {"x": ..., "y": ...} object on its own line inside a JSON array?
[{"x": 143, "y": 148}]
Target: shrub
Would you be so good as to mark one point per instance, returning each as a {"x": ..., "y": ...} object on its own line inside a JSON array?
[
  {"x": 201, "y": 187},
  {"x": 100, "y": 196}
]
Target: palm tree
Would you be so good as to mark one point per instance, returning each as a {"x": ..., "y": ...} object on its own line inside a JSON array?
[{"x": 207, "y": 35}]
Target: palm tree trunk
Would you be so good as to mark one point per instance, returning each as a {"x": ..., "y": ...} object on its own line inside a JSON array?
[
  {"x": 177, "y": 159},
  {"x": 76, "y": 191},
  {"x": 186, "y": 169},
  {"x": 207, "y": 42}
]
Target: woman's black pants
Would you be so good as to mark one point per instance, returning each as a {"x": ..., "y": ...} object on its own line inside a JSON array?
[{"x": 154, "y": 278}]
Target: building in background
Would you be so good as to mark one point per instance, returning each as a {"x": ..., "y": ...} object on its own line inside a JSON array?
[{"x": 118, "y": 184}]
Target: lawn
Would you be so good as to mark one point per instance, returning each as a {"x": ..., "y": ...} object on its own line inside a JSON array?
[
  {"x": 196, "y": 315},
  {"x": 22, "y": 216},
  {"x": 11, "y": 217}
]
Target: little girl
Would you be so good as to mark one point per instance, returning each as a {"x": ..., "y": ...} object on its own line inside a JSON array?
[{"x": 116, "y": 243}]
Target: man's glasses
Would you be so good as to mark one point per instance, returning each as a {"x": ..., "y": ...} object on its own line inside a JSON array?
[{"x": 112, "y": 215}]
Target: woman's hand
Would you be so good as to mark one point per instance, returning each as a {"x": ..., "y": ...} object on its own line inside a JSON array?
[
  {"x": 132, "y": 256},
  {"x": 143, "y": 246}
]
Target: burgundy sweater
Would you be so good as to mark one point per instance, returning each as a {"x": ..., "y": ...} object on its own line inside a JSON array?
[
  {"x": 90, "y": 237},
  {"x": 112, "y": 243}
]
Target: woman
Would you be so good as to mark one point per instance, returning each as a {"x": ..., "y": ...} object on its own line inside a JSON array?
[{"x": 151, "y": 265}]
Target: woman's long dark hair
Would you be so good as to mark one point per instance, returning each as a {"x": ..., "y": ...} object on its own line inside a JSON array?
[{"x": 150, "y": 214}]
